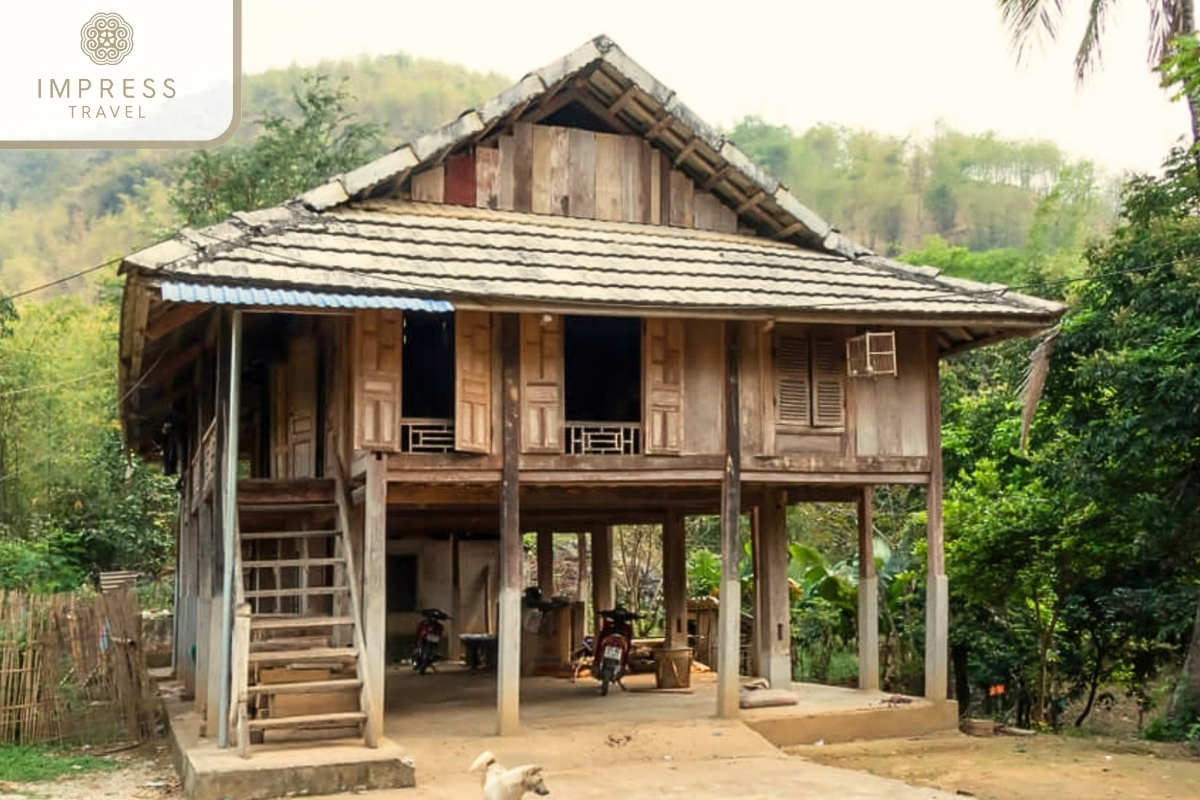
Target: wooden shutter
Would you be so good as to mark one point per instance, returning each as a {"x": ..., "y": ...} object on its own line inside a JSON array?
[
  {"x": 541, "y": 384},
  {"x": 378, "y": 334},
  {"x": 302, "y": 408},
  {"x": 473, "y": 383},
  {"x": 829, "y": 394},
  {"x": 662, "y": 373},
  {"x": 792, "y": 388}
]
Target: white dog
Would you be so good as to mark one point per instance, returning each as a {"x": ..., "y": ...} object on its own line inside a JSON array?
[{"x": 508, "y": 784}]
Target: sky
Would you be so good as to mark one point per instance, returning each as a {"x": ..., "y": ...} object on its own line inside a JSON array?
[{"x": 894, "y": 66}]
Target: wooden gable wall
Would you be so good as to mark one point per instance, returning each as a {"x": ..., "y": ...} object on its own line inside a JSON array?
[{"x": 570, "y": 172}]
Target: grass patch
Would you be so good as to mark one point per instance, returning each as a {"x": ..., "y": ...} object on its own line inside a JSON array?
[{"x": 35, "y": 764}]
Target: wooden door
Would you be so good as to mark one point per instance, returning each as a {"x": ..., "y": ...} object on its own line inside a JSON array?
[
  {"x": 279, "y": 437},
  {"x": 473, "y": 382},
  {"x": 302, "y": 408},
  {"x": 542, "y": 414},
  {"x": 378, "y": 334},
  {"x": 662, "y": 392}
]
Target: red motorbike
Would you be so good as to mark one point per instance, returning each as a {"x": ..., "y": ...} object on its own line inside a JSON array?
[
  {"x": 612, "y": 653},
  {"x": 428, "y": 641}
]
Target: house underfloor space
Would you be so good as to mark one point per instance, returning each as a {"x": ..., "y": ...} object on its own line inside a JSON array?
[{"x": 456, "y": 706}]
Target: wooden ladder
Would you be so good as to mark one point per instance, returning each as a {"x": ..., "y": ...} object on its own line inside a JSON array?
[{"x": 298, "y": 641}]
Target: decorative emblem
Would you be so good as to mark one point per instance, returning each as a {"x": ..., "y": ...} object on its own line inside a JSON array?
[{"x": 106, "y": 39}]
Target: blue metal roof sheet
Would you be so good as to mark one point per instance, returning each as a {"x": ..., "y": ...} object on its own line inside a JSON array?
[{"x": 259, "y": 296}]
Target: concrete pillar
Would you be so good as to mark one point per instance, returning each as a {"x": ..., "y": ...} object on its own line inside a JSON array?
[
  {"x": 603, "y": 591},
  {"x": 508, "y": 672},
  {"x": 545, "y": 562},
  {"x": 730, "y": 614},
  {"x": 868, "y": 596},
  {"x": 374, "y": 594},
  {"x": 775, "y": 657},
  {"x": 675, "y": 588}
]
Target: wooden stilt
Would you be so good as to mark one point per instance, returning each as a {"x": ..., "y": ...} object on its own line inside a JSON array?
[
  {"x": 603, "y": 591},
  {"x": 730, "y": 616},
  {"x": 937, "y": 597},
  {"x": 868, "y": 596},
  {"x": 675, "y": 586},
  {"x": 374, "y": 594},
  {"x": 775, "y": 658},
  {"x": 508, "y": 679},
  {"x": 545, "y": 562}
]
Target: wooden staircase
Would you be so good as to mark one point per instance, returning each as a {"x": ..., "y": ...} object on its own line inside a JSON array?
[{"x": 298, "y": 642}]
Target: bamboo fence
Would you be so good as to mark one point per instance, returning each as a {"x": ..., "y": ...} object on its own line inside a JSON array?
[{"x": 72, "y": 670}]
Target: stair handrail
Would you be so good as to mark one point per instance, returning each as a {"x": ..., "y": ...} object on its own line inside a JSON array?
[{"x": 342, "y": 498}]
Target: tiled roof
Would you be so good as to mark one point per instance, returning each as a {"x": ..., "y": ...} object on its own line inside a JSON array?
[{"x": 508, "y": 258}]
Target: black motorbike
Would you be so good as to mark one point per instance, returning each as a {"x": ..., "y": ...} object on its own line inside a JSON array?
[{"x": 428, "y": 642}]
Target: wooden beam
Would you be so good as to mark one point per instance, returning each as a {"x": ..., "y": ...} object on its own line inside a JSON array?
[
  {"x": 784, "y": 233},
  {"x": 868, "y": 595},
  {"x": 687, "y": 150},
  {"x": 937, "y": 596},
  {"x": 750, "y": 202},
  {"x": 173, "y": 317},
  {"x": 658, "y": 127},
  {"x": 622, "y": 100},
  {"x": 508, "y": 679},
  {"x": 730, "y": 616},
  {"x": 716, "y": 178}
]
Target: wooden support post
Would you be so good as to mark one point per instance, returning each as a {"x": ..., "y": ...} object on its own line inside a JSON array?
[
  {"x": 508, "y": 677},
  {"x": 730, "y": 616},
  {"x": 775, "y": 658},
  {"x": 868, "y": 596},
  {"x": 675, "y": 588},
  {"x": 603, "y": 591},
  {"x": 583, "y": 589},
  {"x": 760, "y": 636},
  {"x": 238, "y": 716},
  {"x": 374, "y": 594},
  {"x": 454, "y": 647},
  {"x": 937, "y": 597},
  {"x": 545, "y": 562}
]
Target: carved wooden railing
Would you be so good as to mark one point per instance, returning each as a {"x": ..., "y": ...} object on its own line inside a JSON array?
[
  {"x": 203, "y": 468},
  {"x": 423, "y": 435},
  {"x": 603, "y": 438}
]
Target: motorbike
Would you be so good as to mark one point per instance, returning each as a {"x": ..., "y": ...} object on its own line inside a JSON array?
[
  {"x": 612, "y": 653},
  {"x": 427, "y": 642}
]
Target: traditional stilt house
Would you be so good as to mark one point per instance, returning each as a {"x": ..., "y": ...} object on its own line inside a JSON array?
[{"x": 574, "y": 307}]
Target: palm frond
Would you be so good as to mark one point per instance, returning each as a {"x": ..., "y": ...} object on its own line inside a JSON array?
[
  {"x": 1035, "y": 381},
  {"x": 1166, "y": 22},
  {"x": 1030, "y": 22},
  {"x": 1089, "y": 56}
]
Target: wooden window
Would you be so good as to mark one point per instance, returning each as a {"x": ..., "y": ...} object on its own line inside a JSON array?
[
  {"x": 809, "y": 375},
  {"x": 870, "y": 355},
  {"x": 401, "y": 584}
]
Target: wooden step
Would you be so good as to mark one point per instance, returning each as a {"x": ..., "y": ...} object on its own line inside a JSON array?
[
  {"x": 306, "y": 592},
  {"x": 252, "y": 536},
  {"x": 290, "y": 508},
  {"x": 309, "y": 721},
  {"x": 308, "y": 687},
  {"x": 308, "y": 654},
  {"x": 268, "y": 623},
  {"x": 282, "y": 563}
]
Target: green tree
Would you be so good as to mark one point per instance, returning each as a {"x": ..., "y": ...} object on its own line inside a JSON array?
[{"x": 287, "y": 158}]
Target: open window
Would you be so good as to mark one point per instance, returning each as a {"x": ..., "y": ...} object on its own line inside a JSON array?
[
  {"x": 603, "y": 385},
  {"x": 809, "y": 380},
  {"x": 427, "y": 383}
]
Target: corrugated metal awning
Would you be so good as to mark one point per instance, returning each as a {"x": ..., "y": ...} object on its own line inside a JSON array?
[{"x": 260, "y": 296}]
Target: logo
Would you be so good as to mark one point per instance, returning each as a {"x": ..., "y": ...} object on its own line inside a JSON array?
[{"x": 106, "y": 39}]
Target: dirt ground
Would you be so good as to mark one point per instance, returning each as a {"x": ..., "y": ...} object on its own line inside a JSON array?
[
  {"x": 146, "y": 774},
  {"x": 1008, "y": 768}
]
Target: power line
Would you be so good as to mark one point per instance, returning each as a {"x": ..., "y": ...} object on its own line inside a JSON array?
[{"x": 110, "y": 262}]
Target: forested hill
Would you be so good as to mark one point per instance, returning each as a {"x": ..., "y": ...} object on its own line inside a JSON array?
[{"x": 61, "y": 211}]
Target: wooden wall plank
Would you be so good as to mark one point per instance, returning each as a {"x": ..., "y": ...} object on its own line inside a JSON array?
[
  {"x": 429, "y": 186},
  {"x": 632, "y": 189},
  {"x": 560, "y": 174},
  {"x": 460, "y": 180},
  {"x": 704, "y": 374},
  {"x": 645, "y": 171},
  {"x": 682, "y": 197},
  {"x": 581, "y": 160},
  {"x": 656, "y": 176},
  {"x": 610, "y": 150},
  {"x": 487, "y": 177},
  {"x": 707, "y": 210},
  {"x": 506, "y": 172},
  {"x": 523, "y": 167},
  {"x": 541, "y": 203},
  {"x": 727, "y": 221}
]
